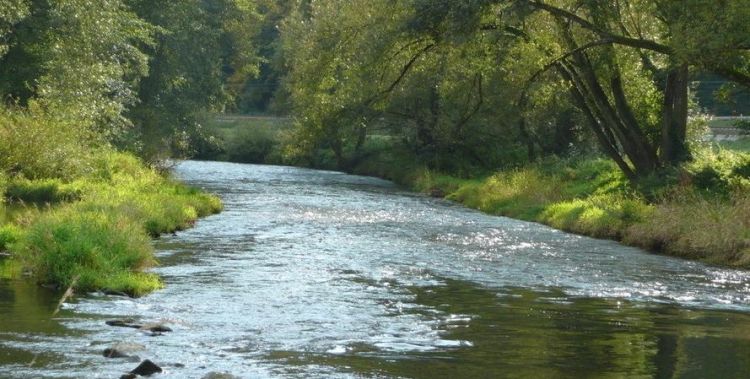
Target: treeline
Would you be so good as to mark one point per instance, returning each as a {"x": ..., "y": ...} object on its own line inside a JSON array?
[
  {"x": 481, "y": 84},
  {"x": 508, "y": 106},
  {"x": 132, "y": 74}
]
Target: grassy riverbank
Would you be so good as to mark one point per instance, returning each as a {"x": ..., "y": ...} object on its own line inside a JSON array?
[
  {"x": 95, "y": 226},
  {"x": 701, "y": 211}
]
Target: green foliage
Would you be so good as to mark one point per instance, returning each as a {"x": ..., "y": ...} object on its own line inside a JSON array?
[
  {"x": 35, "y": 144},
  {"x": 743, "y": 126},
  {"x": 103, "y": 235},
  {"x": 78, "y": 61},
  {"x": 719, "y": 171},
  {"x": 246, "y": 139},
  {"x": 185, "y": 81},
  {"x": 9, "y": 234},
  {"x": 11, "y": 12}
]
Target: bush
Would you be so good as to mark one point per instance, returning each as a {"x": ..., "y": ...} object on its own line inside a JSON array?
[{"x": 36, "y": 145}]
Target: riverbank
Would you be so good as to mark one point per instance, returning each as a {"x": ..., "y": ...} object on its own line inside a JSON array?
[
  {"x": 700, "y": 212},
  {"x": 95, "y": 228}
]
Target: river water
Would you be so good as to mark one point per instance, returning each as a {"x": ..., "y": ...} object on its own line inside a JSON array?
[{"x": 320, "y": 274}]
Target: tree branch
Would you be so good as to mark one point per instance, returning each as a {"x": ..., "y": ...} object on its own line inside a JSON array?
[{"x": 618, "y": 39}]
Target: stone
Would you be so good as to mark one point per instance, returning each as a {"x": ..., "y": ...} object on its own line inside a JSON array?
[
  {"x": 146, "y": 368},
  {"x": 437, "y": 192},
  {"x": 123, "y": 350},
  {"x": 129, "y": 376},
  {"x": 125, "y": 323},
  {"x": 114, "y": 353},
  {"x": 219, "y": 375},
  {"x": 155, "y": 328}
]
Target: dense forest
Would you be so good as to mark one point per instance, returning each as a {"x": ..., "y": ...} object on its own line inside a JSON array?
[{"x": 488, "y": 101}]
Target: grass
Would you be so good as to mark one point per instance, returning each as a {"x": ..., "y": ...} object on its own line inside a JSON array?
[
  {"x": 740, "y": 145},
  {"x": 700, "y": 211},
  {"x": 99, "y": 225}
]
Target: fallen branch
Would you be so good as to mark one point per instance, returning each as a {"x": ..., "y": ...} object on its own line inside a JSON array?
[{"x": 68, "y": 293}]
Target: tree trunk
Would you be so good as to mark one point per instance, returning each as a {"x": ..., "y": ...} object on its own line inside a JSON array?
[
  {"x": 674, "y": 117},
  {"x": 606, "y": 140}
]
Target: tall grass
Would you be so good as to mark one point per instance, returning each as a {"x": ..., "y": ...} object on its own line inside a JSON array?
[
  {"x": 100, "y": 226},
  {"x": 694, "y": 226}
]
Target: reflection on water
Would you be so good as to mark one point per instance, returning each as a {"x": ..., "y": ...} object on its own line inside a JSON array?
[
  {"x": 521, "y": 333},
  {"x": 321, "y": 274},
  {"x": 26, "y": 320}
]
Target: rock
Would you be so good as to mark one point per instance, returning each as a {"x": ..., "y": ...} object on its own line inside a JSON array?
[
  {"x": 129, "y": 376},
  {"x": 155, "y": 328},
  {"x": 125, "y": 323},
  {"x": 123, "y": 350},
  {"x": 219, "y": 375},
  {"x": 114, "y": 353},
  {"x": 146, "y": 368},
  {"x": 115, "y": 293},
  {"x": 437, "y": 192}
]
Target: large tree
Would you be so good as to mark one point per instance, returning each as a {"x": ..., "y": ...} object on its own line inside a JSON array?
[
  {"x": 663, "y": 40},
  {"x": 201, "y": 59},
  {"x": 73, "y": 58}
]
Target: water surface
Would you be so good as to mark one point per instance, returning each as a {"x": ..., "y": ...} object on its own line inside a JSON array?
[{"x": 321, "y": 274}]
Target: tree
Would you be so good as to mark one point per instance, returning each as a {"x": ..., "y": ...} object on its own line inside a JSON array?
[
  {"x": 201, "y": 59},
  {"x": 76, "y": 60}
]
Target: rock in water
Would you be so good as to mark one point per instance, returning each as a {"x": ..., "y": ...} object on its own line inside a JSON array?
[
  {"x": 219, "y": 375},
  {"x": 156, "y": 328},
  {"x": 111, "y": 352},
  {"x": 126, "y": 323},
  {"x": 146, "y": 368},
  {"x": 129, "y": 376},
  {"x": 123, "y": 350}
]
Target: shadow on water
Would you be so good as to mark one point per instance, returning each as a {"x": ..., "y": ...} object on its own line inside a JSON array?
[{"x": 546, "y": 334}]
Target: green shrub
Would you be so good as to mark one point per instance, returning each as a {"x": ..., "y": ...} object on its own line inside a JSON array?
[{"x": 37, "y": 145}]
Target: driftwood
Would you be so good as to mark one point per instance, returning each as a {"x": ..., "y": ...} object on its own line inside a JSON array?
[{"x": 68, "y": 293}]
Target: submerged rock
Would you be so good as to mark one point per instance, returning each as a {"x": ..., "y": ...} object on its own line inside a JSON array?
[
  {"x": 125, "y": 323},
  {"x": 128, "y": 376},
  {"x": 219, "y": 375},
  {"x": 146, "y": 368},
  {"x": 123, "y": 350},
  {"x": 156, "y": 328}
]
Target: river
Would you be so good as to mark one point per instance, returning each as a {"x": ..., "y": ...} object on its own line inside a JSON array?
[{"x": 312, "y": 274}]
